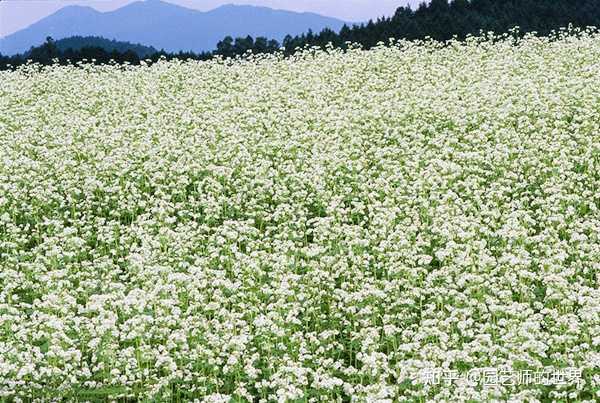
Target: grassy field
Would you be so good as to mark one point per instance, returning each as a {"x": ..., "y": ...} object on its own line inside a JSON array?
[{"x": 329, "y": 227}]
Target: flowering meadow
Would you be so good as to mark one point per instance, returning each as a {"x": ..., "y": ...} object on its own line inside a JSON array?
[{"x": 326, "y": 227}]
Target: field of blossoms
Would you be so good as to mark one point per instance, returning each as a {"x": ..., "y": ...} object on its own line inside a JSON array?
[{"x": 327, "y": 227}]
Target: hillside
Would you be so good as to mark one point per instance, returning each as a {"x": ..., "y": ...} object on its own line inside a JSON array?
[
  {"x": 412, "y": 223},
  {"x": 442, "y": 20},
  {"x": 166, "y": 26},
  {"x": 79, "y": 42}
]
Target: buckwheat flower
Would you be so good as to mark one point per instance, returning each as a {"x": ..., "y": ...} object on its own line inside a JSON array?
[{"x": 221, "y": 239}]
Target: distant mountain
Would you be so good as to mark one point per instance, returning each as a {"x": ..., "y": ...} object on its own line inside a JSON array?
[
  {"x": 78, "y": 42},
  {"x": 167, "y": 26}
]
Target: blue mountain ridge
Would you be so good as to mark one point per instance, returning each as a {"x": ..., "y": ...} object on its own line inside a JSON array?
[{"x": 167, "y": 26}]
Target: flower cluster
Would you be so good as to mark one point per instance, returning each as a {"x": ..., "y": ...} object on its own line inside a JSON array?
[{"x": 323, "y": 227}]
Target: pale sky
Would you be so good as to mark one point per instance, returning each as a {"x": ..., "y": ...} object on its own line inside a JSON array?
[{"x": 18, "y": 14}]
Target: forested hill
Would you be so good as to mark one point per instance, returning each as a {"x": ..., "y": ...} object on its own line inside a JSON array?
[
  {"x": 109, "y": 45},
  {"x": 442, "y": 20},
  {"x": 438, "y": 19}
]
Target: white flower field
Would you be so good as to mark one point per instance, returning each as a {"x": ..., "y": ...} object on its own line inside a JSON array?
[{"x": 387, "y": 225}]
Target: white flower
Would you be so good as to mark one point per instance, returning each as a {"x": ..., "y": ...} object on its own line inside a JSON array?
[{"x": 264, "y": 229}]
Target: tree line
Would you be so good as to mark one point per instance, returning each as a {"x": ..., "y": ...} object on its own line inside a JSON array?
[
  {"x": 78, "y": 42},
  {"x": 438, "y": 19},
  {"x": 49, "y": 53}
]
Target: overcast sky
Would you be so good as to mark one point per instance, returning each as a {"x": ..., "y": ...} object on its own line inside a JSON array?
[{"x": 17, "y": 14}]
